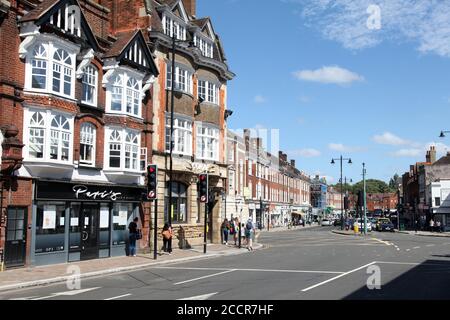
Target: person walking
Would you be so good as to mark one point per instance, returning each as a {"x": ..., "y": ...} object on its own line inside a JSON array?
[
  {"x": 167, "y": 238},
  {"x": 249, "y": 232},
  {"x": 133, "y": 229},
  {"x": 242, "y": 232},
  {"x": 236, "y": 231},
  {"x": 431, "y": 225},
  {"x": 225, "y": 231},
  {"x": 438, "y": 226}
]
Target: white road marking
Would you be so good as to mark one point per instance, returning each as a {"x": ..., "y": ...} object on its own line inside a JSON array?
[
  {"x": 23, "y": 298},
  {"x": 202, "y": 297},
  {"x": 67, "y": 293},
  {"x": 254, "y": 270},
  {"x": 416, "y": 248},
  {"x": 205, "y": 277},
  {"x": 384, "y": 242},
  {"x": 408, "y": 249},
  {"x": 118, "y": 297},
  {"x": 430, "y": 245},
  {"x": 337, "y": 277}
]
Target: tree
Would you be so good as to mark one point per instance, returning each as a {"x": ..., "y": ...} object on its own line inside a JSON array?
[
  {"x": 372, "y": 186},
  {"x": 394, "y": 182}
]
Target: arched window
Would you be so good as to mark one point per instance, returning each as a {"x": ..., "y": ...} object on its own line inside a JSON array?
[
  {"x": 60, "y": 138},
  {"x": 117, "y": 93},
  {"x": 36, "y": 135},
  {"x": 62, "y": 72},
  {"x": 131, "y": 151},
  {"x": 115, "y": 148},
  {"x": 90, "y": 85},
  {"x": 87, "y": 144},
  {"x": 179, "y": 201},
  {"x": 39, "y": 67},
  {"x": 125, "y": 94},
  {"x": 51, "y": 69},
  {"x": 133, "y": 95}
]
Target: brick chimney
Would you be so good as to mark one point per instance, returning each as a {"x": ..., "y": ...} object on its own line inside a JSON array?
[
  {"x": 190, "y": 6},
  {"x": 292, "y": 163},
  {"x": 432, "y": 154}
]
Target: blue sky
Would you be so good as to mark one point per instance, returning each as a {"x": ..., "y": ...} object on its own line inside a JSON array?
[{"x": 333, "y": 86}]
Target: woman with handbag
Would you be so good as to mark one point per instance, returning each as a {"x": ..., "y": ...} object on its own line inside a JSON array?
[
  {"x": 133, "y": 230},
  {"x": 167, "y": 238}
]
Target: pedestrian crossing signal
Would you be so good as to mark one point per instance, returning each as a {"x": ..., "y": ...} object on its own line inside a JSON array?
[
  {"x": 152, "y": 181},
  {"x": 203, "y": 187}
]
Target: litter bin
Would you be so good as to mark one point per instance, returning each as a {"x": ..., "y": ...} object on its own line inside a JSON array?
[{"x": 402, "y": 227}]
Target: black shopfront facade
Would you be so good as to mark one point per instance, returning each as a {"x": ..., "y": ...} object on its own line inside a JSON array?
[{"x": 81, "y": 221}]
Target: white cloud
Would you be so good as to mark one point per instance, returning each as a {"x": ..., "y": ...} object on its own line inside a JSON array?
[
  {"x": 407, "y": 153},
  {"x": 329, "y": 74},
  {"x": 343, "y": 148},
  {"x": 305, "y": 153},
  {"x": 390, "y": 139},
  {"x": 259, "y": 99},
  {"x": 422, "y": 22}
]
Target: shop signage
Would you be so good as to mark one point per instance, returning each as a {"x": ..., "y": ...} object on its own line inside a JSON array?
[{"x": 87, "y": 192}]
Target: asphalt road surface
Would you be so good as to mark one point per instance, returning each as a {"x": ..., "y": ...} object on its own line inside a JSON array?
[{"x": 295, "y": 265}]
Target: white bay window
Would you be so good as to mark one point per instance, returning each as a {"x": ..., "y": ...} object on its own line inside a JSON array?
[
  {"x": 205, "y": 46},
  {"x": 207, "y": 142},
  {"x": 48, "y": 136},
  {"x": 183, "y": 79},
  {"x": 90, "y": 76},
  {"x": 51, "y": 68},
  {"x": 182, "y": 136},
  {"x": 124, "y": 94},
  {"x": 174, "y": 28},
  {"x": 208, "y": 91},
  {"x": 122, "y": 149}
]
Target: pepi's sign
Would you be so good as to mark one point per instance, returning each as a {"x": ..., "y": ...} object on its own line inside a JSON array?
[{"x": 46, "y": 190}]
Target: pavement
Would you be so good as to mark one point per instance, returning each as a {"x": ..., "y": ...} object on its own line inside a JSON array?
[
  {"x": 300, "y": 264},
  {"x": 44, "y": 275}
]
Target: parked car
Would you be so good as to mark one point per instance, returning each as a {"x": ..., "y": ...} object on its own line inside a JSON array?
[
  {"x": 361, "y": 224},
  {"x": 384, "y": 224},
  {"x": 326, "y": 222}
]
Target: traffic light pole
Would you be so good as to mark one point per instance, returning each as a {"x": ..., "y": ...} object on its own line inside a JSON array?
[
  {"x": 206, "y": 227},
  {"x": 155, "y": 233}
]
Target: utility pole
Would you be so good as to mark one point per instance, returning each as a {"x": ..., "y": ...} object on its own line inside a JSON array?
[{"x": 364, "y": 196}]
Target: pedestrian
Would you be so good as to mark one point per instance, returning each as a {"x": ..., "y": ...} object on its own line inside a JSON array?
[
  {"x": 236, "y": 230},
  {"x": 249, "y": 232},
  {"x": 225, "y": 231},
  {"x": 416, "y": 225},
  {"x": 431, "y": 225},
  {"x": 242, "y": 231},
  {"x": 167, "y": 238},
  {"x": 133, "y": 229},
  {"x": 438, "y": 226}
]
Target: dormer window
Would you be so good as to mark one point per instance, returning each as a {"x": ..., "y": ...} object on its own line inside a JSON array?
[
  {"x": 174, "y": 28},
  {"x": 124, "y": 94},
  {"x": 206, "y": 47},
  {"x": 51, "y": 69}
]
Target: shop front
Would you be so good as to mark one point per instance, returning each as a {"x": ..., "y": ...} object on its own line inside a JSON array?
[{"x": 81, "y": 221}]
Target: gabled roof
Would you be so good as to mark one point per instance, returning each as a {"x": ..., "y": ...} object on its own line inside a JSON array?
[
  {"x": 443, "y": 161},
  {"x": 123, "y": 45},
  {"x": 47, "y": 8}
]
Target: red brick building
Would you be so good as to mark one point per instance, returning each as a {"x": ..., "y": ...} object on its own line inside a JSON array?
[
  {"x": 382, "y": 201},
  {"x": 76, "y": 79}
]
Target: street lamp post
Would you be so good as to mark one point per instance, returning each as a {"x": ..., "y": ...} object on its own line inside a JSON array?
[
  {"x": 346, "y": 194},
  {"x": 364, "y": 197},
  {"x": 172, "y": 93},
  {"x": 341, "y": 159}
]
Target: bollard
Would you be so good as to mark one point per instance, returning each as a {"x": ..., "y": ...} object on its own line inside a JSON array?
[{"x": 356, "y": 228}]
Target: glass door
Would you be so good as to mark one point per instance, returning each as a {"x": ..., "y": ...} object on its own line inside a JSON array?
[
  {"x": 89, "y": 231},
  {"x": 15, "y": 247}
]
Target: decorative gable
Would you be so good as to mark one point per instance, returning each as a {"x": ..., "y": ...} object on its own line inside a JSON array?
[
  {"x": 66, "y": 17},
  {"x": 180, "y": 11}
]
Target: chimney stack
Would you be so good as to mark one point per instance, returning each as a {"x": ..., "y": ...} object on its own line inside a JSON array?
[
  {"x": 433, "y": 154},
  {"x": 190, "y": 6},
  {"x": 293, "y": 163}
]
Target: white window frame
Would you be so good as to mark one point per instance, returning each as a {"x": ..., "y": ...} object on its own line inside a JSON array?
[
  {"x": 209, "y": 91},
  {"x": 89, "y": 138},
  {"x": 52, "y": 45},
  {"x": 124, "y": 144},
  {"x": 210, "y": 139},
  {"x": 90, "y": 80},
  {"x": 182, "y": 131},
  {"x": 126, "y": 92},
  {"x": 183, "y": 79},
  {"x": 48, "y": 116},
  {"x": 170, "y": 25},
  {"x": 205, "y": 46}
]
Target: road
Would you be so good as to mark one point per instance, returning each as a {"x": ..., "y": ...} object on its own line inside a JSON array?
[{"x": 295, "y": 265}]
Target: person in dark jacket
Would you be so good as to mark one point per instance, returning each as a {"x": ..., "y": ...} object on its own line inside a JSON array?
[{"x": 133, "y": 229}]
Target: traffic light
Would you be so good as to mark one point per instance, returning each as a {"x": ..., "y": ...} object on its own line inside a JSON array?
[
  {"x": 203, "y": 188},
  {"x": 360, "y": 199},
  {"x": 152, "y": 181}
]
